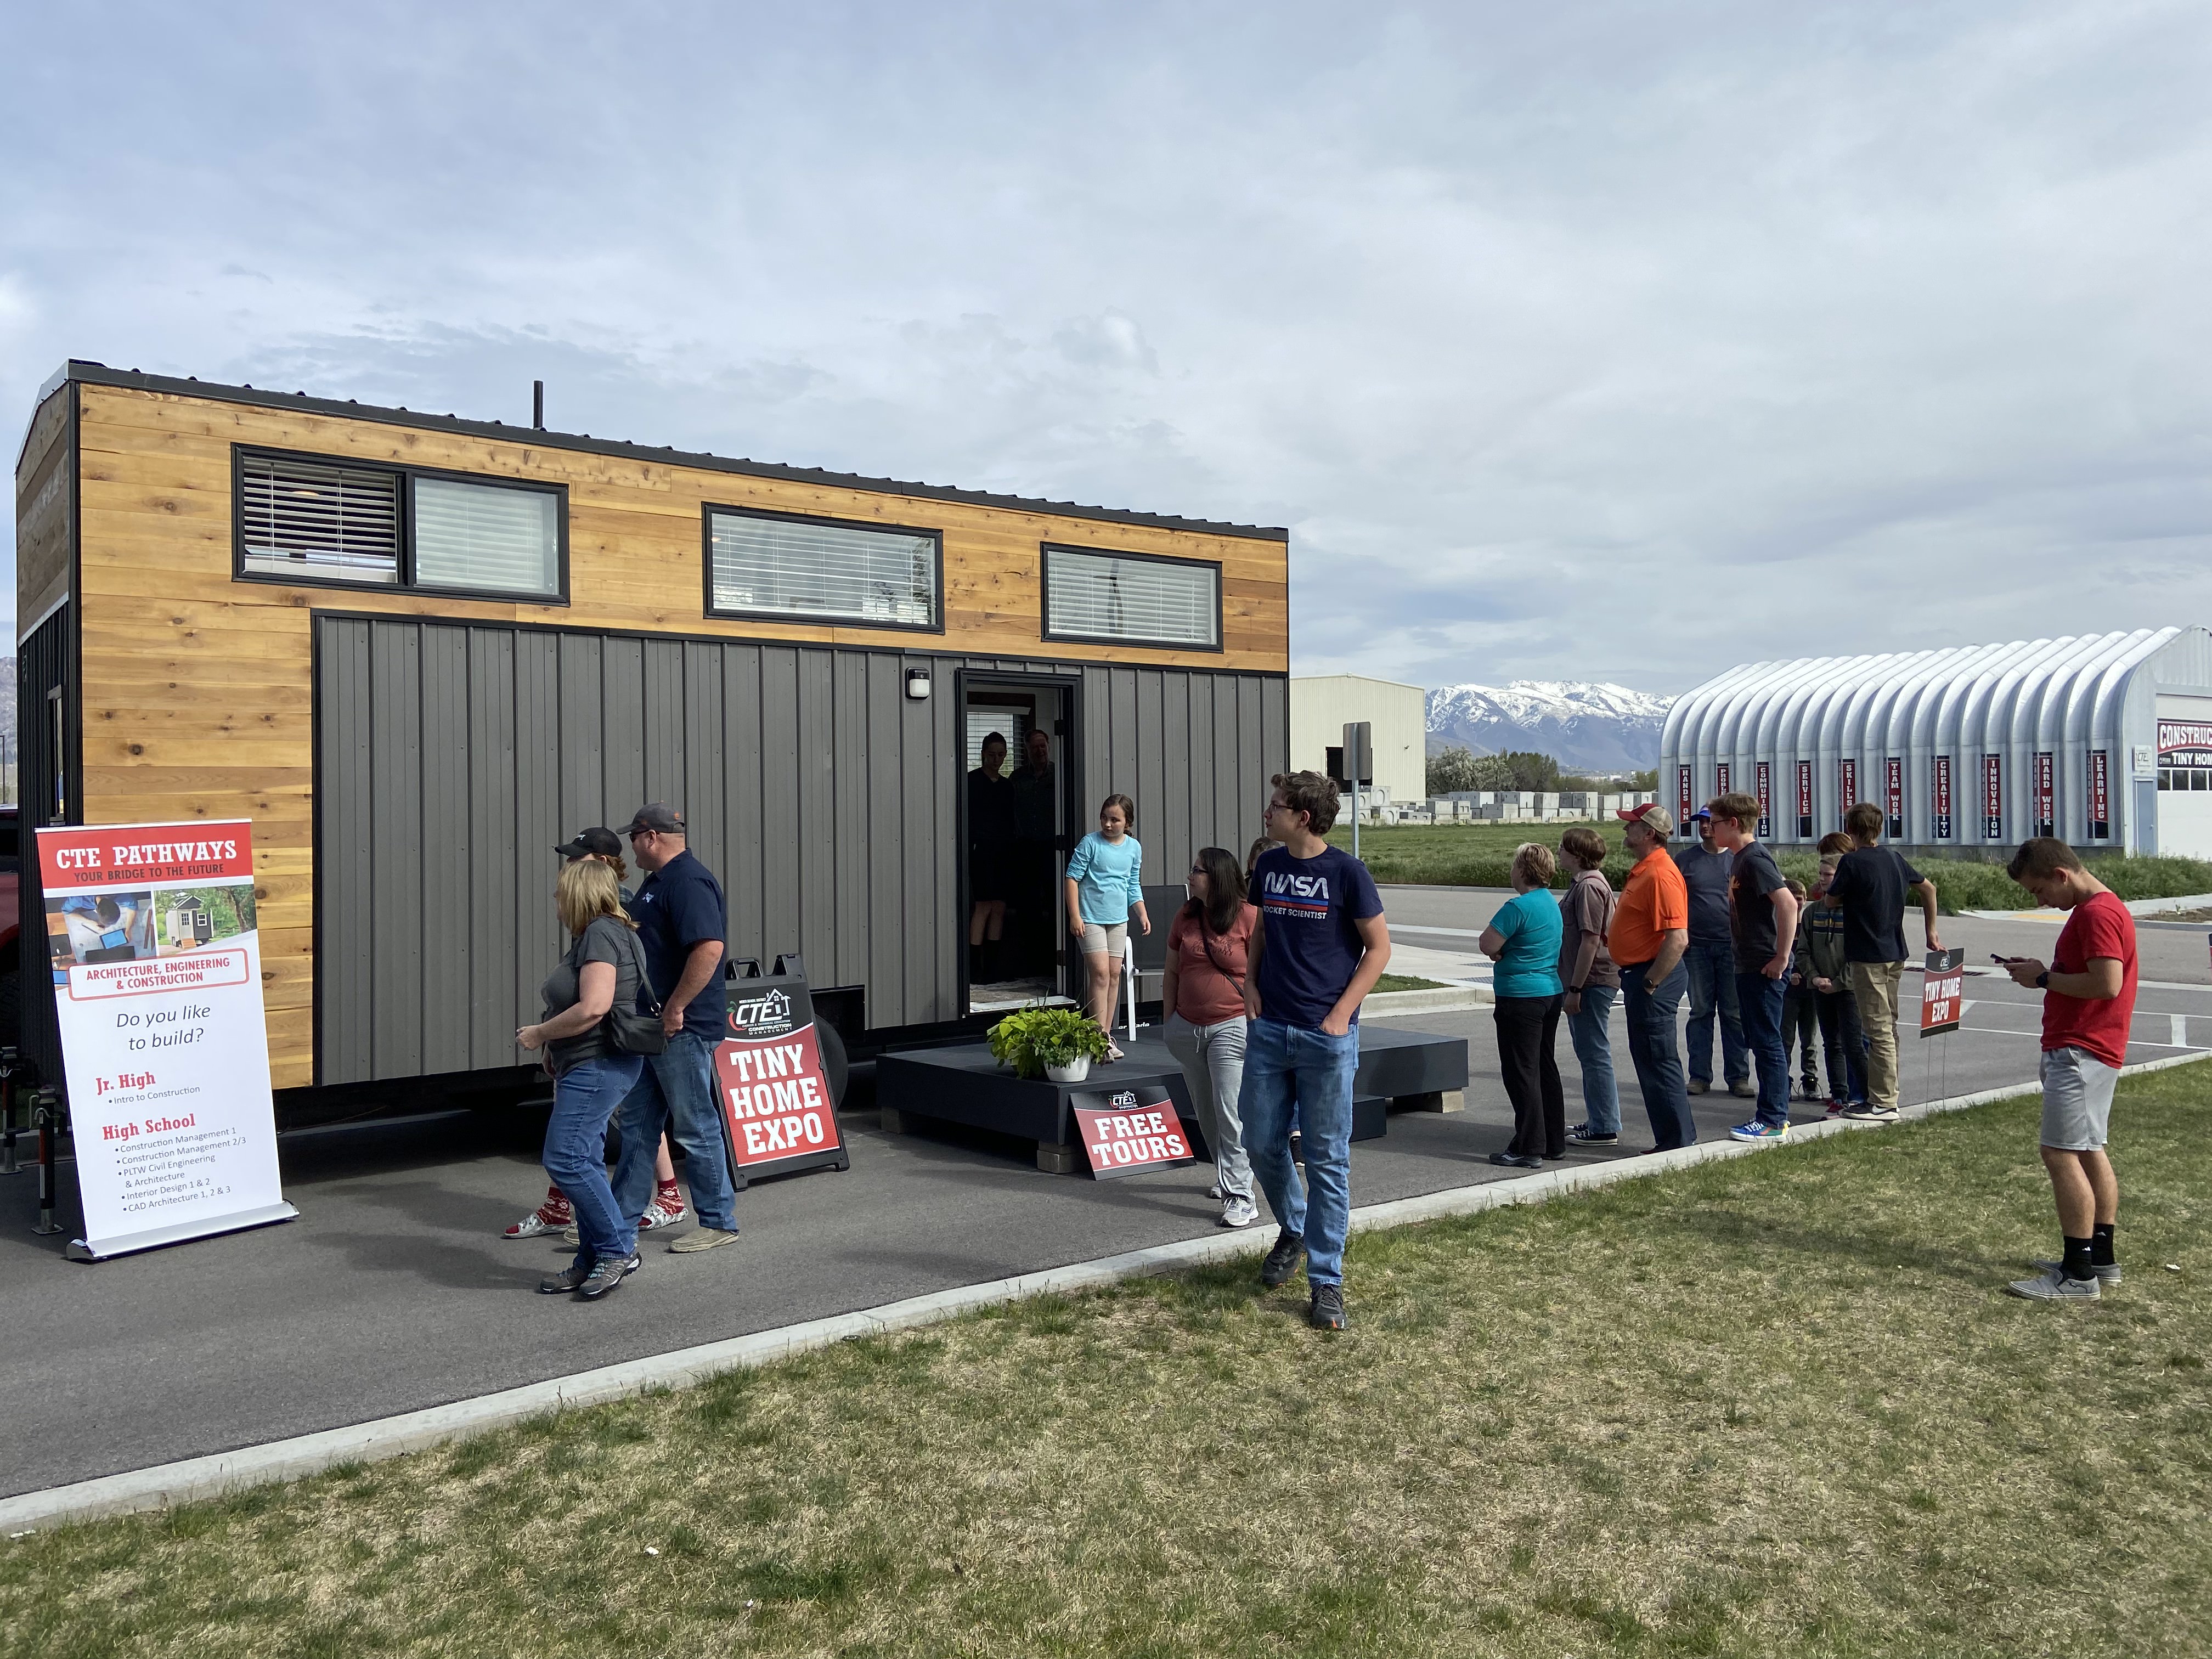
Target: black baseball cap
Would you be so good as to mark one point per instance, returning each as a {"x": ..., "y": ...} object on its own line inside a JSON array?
[
  {"x": 599, "y": 839},
  {"x": 657, "y": 816}
]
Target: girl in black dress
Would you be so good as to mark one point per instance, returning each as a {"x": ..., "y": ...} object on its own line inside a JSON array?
[{"x": 990, "y": 850}]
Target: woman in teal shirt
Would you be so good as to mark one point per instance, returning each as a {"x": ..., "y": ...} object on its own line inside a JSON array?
[
  {"x": 1105, "y": 888},
  {"x": 1523, "y": 940}
]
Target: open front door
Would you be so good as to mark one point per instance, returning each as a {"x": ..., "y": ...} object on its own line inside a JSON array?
[{"x": 1018, "y": 821}]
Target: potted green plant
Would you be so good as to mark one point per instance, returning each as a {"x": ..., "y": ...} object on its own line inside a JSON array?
[{"x": 1059, "y": 1043}]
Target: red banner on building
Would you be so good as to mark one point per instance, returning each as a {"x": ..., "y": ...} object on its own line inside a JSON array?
[
  {"x": 1940, "y": 771},
  {"x": 1129, "y": 1131},
  {"x": 1683, "y": 805},
  {"x": 2100, "y": 796},
  {"x": 1721, "y": 774},
  {"x": 1942, "y": 992},
  {"x": 1892, "y": 794},
  {"x": 134, "y": 855},
  {"x": 2045, "y": 791},
  {"x": 1992, "y": 798},
  {"x": 1847, "y": 787},
  {"x": 1804, "y": 800},
  {"x": 1762, "y": 774}
]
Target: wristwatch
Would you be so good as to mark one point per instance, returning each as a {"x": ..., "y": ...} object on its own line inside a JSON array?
[{"x": 2043, "y": 979}]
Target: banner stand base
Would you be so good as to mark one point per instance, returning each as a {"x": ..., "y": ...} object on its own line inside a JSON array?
[{"x": 154, "y": 1238}]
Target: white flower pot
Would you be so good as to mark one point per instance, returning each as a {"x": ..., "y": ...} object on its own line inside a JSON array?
[{"x": 1075, "y": 1072}]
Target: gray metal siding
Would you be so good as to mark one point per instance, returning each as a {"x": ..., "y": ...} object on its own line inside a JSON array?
[{"x": 452, "y": 757}]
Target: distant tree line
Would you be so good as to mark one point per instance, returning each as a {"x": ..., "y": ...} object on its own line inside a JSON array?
[{"x": 1459, "y": 769}]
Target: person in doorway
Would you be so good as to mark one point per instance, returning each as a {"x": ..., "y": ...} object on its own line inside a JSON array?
[
  {"x": 1801, "y": 1011},
  {"x": 1706, "y": 869},
  {"x": 2088, "y": 1004},
  {"x": 1209, "y": 944},
  {"x": 683, "y": 924},
  {"x": 1105, "y": 892},
  {"x": 1031, "y": 899},
  {"x": 1592, "y": 984},
  {"x": 1523, "y": 940},
  {"x": 601, "y": 968},
  {"x": 1317, "y": 950},
  {"x": 1763, "y": 919},
  {"x": 555, "y": 1214},
  {"x": 1869, "y": 886},
  {"x": 990, "y": 859},
  {"x": 1823, "y": 968},
  {"x": 1650, "y": 933}
]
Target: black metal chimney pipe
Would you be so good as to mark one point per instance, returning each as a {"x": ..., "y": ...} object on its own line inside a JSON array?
[{"x": 538, "y": 404}]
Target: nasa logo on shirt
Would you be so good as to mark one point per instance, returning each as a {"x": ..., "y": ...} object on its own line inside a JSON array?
[{"x": 1282, "y": 884}]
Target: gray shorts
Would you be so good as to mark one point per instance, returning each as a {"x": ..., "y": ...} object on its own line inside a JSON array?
[
  {"x": 1100, "y": 938},
  {"x": 2077, "y": 1099}
]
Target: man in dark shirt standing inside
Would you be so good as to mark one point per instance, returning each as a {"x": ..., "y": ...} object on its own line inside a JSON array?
[
  {"x": 1711, "y": 959},
  {"x": 1319, "y": 946},
  {"x": 684, "y": 926},
  {"x": 1869, "y": 887},
  {"x": 1763, "y": 921}
]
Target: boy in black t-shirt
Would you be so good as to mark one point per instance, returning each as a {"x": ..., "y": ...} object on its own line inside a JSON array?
[
  {"x": 1869, "y": 887},
  {"x": 1763, "y": 924}
]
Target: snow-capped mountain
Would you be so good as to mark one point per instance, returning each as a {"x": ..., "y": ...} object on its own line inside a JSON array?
[{"x": 1586, "y": 726}]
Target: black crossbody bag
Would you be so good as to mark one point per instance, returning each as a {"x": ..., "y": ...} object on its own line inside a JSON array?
[{"x": 629, "y": 1030}]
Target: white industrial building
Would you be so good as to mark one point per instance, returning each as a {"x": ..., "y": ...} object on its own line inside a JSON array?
[
  {"x": 2104, "y": 739},
  {"x": 1322, "y": 705}
]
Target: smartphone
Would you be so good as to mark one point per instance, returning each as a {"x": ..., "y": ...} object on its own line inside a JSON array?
[{"x": 2002, "y": 962}]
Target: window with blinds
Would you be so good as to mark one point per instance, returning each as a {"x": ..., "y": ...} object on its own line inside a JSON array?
[
  {"x": 1128, "y": 598},
  {"x": 307, "y": 519},
  {"x": 760, "y": 566},
  {"x": 482, "y": 536}
]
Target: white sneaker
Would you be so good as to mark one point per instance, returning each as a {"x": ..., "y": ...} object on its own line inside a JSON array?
[
  {"x": 2054, "y": 1286},
  {"x": 1214, "y": 1192},
  {"x": 1239, "y": 1212}
]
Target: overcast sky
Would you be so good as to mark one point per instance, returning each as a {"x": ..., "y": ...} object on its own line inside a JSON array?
[{"x": 1579, "y": 341}]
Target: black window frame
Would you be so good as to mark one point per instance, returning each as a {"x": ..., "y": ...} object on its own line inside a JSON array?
[
  {"x": 406, "y": 473},
  {"x": 1046, "y": 549},
  {"x": 816, "y": 619}
]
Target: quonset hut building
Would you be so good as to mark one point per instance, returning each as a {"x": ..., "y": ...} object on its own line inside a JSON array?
[{"x": 2105, "y": 739}]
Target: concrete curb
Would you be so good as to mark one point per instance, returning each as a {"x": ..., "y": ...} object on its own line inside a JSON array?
[
  {"x": 2140, "y": 907},
  {"x": 1446, "y": 999},
  {"x": 194, "y": 1480}
]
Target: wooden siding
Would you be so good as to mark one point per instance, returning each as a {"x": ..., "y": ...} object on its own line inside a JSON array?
[
  {"x": 43, "y": 507},
  {"x": 195, "y": 686}
]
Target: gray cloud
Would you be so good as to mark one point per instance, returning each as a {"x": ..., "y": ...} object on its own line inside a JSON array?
[{"x": 1609, "y": 339}]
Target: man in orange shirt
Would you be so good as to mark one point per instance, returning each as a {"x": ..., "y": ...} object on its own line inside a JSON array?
[{"x": 1651, "y": 931}]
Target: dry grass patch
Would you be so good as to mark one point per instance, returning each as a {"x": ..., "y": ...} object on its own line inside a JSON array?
[{"x": 1773, "y": 1407}]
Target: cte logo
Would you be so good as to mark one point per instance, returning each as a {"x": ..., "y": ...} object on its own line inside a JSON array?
[{"x": 773, "y": 1008}]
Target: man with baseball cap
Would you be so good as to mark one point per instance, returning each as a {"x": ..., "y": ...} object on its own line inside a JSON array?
[
  {"x": 683, "y": 924},
  {"x": 1650, "y": 931}
]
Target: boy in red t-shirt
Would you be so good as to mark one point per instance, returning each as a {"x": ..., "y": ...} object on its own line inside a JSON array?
[{"x": 2089, "y": 999}]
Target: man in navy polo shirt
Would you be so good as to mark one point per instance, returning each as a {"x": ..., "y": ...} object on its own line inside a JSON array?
[
  {"x": 683, "y": 927},
  {"x": 1320, "y": 945}
]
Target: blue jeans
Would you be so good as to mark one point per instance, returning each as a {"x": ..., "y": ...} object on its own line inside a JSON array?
[
  {"x": 1712, "y": 990},
  {"x": 584, "y": 1097},
  {"x": 676, "y": 1093},
  {"x": 1294, "y": 1075},
  {"x": 1593, "y": 1049},
  {"x": 1846, "y": 1047},
  {"x": 1650, "y": 1012},
  {"x": 1761, "y": 1000}
]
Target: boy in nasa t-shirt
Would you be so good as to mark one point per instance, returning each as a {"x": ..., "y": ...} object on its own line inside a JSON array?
[{"x": 1320, "y": 945}]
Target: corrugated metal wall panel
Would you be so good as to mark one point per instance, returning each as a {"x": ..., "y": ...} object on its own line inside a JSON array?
[{"x": 451, "y": 758}]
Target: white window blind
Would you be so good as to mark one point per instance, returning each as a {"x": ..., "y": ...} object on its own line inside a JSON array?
[
  {"x": 306, "y": 519},
  {"x": 1098, "y": 596},
  {"x": 838, "y": 572},
  {"x": 480, "y": 535}
]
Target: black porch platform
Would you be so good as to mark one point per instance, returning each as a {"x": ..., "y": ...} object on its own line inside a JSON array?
[{"x": 963, "y": 1084}]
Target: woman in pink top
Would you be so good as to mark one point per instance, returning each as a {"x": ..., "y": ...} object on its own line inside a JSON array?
[{"x": 1204, "y": 994}]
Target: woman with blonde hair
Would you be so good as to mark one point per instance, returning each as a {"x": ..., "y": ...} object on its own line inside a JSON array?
[
  {"x": 602, "y": 971},
  {"x": 1523, "y": 940}
]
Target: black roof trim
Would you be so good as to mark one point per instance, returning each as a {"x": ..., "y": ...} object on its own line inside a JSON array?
[{"x": 100, "y": 374}]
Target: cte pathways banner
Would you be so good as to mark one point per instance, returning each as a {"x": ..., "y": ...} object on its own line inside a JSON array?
[
  {"x": 1129, "y": 1131},
  {"x": 776, "y": 1101},
  {"x": 1942, "y": 992},
  {"x": 157, "y": 963}
]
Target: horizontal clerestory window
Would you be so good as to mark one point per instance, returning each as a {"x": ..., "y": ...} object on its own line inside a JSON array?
[
  {"x": 1131, "y": 598},
  {"x": 788, "y": 568}
]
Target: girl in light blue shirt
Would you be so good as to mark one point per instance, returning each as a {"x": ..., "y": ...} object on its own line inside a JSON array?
[{"x": 1105, "y": 888}]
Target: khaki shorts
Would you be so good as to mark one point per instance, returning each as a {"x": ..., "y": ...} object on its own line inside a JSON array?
[
  {"x": 1102, "y": 939},
  {"x": 2077, "y": 1099}
]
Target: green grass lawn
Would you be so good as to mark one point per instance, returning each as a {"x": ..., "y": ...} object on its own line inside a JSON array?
[
  {"x": 1771, "y": 1407},
  {"x": 1481, "y": 855},
  {"x": 1408, "y": 982}
]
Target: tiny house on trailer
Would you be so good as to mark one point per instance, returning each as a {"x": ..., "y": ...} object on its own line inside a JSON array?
[{"x": 419, "y": 652}]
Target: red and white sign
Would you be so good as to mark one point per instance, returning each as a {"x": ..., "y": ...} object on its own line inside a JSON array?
[
  {"x": 1942, "y": 992},
  {"x": 1721, "y": 774},
  {"x": 154, "y": 947},
  {"x": 1762, "y": 774},
  {"x": 2184, "y": 743},
  {"x": 776, "y": 1102},
  {"x": 1804, "y": 798},
  {"x": 1682, "y": 806},
  {"x": 1130, "y": 1130},
  {"x": 2043, "y": 787},
  {"x": 1893, "y": 792},
  {"x": 1992, "y": 798},
  {"x": 1847, "y": 786},
  {"x": 1940, "y": 771},
  {"x": 2100, "y": 796}
]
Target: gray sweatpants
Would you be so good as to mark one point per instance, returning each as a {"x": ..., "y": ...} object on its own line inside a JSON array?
[{"x": 1212, "y": 1061}]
